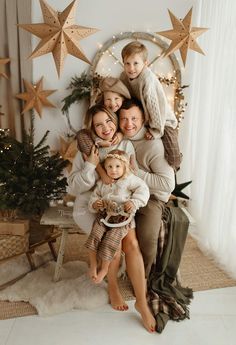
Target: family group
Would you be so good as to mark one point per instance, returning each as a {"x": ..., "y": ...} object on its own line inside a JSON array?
[{"x": 124, "y": 174}]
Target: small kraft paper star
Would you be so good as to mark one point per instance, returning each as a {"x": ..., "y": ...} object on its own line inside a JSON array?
[
  {"x": 3, "y": 62},
  {"x": 183, "y": 36},
  {"x": 59, "y": 34},
  {"x": 35, "y": 97},
  {"x": 68, "y": 151}
]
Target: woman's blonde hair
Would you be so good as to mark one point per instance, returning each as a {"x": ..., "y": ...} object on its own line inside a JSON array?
[
  {"x": 123, "y": 157},
  {"x": 92, "y": 111},
  {"x": 134, "y": 47}
]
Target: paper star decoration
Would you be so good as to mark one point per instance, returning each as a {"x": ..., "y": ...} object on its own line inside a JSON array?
[
  {"x": 183, "y": 36},
  {"x": 35, "y": 97},
  {"x": 68, "y": 151},
  {"x": 2, "y": 63},
  {"x": 59, "y": 34},
  {"x": 177, "y": 192}
]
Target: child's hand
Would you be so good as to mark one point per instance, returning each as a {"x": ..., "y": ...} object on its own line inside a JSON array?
[
  {"x": 117, "y": 138},
  {"x": 93, "y": 157},
  {"x": 128, "y": 206},
  {"x": 98, "y": 205},
  {"x": 148, "y": 136},
  {"x": 104, "y": 143}
]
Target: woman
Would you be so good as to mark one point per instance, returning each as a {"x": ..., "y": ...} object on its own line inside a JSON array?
[{"x": 103, "y": 123}]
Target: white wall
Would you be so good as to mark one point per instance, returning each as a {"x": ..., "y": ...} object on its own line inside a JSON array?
[{"x": 111, "y": 18}]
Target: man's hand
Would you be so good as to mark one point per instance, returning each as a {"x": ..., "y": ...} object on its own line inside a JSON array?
[
  {"x": 128, "y": 206},
  {"x": 98, "y": 205}
]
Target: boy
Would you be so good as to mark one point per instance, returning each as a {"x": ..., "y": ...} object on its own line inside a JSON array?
[{"x": 145, "y": 86}]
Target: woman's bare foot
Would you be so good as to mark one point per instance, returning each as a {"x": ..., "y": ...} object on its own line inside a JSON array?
[
  {"x": 148, "y": 319},
  {"x": 116, "y": 299},
  {"x": 101, "y": 275}
]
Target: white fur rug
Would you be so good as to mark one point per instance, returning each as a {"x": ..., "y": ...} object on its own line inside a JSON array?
[
  {"x": 15, "y": 267},
  {"x": 74, "y": 291}
]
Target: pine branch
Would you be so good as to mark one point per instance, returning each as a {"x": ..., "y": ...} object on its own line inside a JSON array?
[{"x": 81, "y": 89}]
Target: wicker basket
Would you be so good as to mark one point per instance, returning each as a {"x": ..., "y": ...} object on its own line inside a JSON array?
[
  {"x": 14, "y": 238},
  {"x": 13, "y": 245}
]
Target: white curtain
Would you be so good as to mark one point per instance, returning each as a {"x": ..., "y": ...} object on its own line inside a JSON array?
[{"x": 210, "y": 150}]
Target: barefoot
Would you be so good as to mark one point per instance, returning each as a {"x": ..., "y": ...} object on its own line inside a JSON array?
[
  {"x": 92, "y": 272},
  {"x": 101, "y": 275},
  {"x": 148, "y": 319},
  {"x": 116, "y": 299}
]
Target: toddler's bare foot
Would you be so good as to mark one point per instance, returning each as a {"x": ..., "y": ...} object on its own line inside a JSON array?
[
  {"x": 93, "y": 272},
  {"x": 116, "y": 299},
  {"x": 101, "y": 275},
  {"x": 148, "y": 319}
]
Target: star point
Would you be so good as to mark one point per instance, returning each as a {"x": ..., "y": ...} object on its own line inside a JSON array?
[
  {"x": 68, "y": 151},
  {"x": 3, "y": 62},
  {"x": 59, "y": 34},
  {"x": 35, "y": 97},
  {"x": 183, "y": 36}
]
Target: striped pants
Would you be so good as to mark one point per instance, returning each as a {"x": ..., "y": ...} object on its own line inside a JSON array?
[{"x": 106, "y": 241}]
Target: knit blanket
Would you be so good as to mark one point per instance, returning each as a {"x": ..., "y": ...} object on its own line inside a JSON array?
[{"x": 167, "y": 298}]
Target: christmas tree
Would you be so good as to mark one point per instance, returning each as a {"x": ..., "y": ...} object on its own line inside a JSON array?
[{"x": 29, "y": 176}]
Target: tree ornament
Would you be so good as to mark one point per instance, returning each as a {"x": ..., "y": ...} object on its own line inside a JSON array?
[
  {"x": 35, "y": 97},
  {"x": 183, "y": 36},
  {"x": 68, "y": 151},
  {"x": 59, "y": 34},
  {"x": 3, "y": 62}
]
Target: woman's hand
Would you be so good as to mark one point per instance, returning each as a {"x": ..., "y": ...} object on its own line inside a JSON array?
[
  {"x": 128, "y": 206},
  {"x": 98, "y": 205},
  {"x": 133, "y": 163},
  {"x": 93, "y": 158}
]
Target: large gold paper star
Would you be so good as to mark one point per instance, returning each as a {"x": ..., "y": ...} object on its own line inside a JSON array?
[
  {"x": 59, "y": 35},
  {"x": 183, "y": 36},
  {"x": 2, "y": 71},
  {"x": 68, "y": 151},
  {"x": 35, "y": 97}
]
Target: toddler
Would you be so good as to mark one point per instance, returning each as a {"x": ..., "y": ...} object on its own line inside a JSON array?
[
  {"x": 129, "y": 193},
  {"x": 145, "y": 86}
]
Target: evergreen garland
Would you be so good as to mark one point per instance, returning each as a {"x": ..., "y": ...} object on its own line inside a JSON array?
[{"x": 82, "y": 87}]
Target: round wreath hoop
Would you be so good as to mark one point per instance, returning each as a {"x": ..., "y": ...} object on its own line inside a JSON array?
[{"x": 84, "y": 84}]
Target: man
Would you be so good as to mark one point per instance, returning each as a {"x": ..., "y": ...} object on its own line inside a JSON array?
[{"x": 155, "y": 171}]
